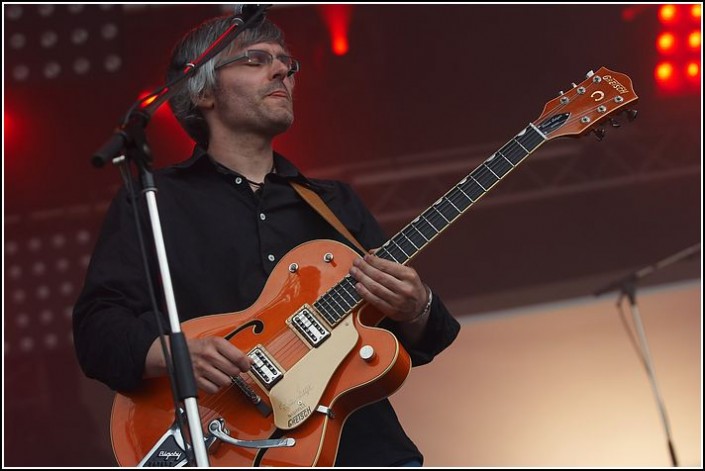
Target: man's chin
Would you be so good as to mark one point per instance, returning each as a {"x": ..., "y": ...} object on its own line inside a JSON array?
[{"x": 282, "y": 124}]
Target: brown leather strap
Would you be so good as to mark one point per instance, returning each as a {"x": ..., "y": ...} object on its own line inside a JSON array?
[{"x": 315, "y": 201}]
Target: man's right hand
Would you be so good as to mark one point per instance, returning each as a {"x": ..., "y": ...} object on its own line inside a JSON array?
[{"x": 215, "y": 361}]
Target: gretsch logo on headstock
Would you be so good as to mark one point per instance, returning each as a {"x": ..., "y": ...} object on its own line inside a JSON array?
[
  {"x": 597, "y": 95},
  {"x": 615, "y": 84}
]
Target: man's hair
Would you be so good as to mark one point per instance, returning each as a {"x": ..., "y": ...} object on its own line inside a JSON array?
[{"x": 189, "y": 48}]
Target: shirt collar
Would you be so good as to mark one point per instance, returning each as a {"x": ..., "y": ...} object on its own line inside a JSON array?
[{"x": 283, "y": 166}]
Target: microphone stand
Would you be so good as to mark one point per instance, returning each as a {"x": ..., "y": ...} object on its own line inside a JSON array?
[
  {"x": 129, "y": 143},
  {"x": 627, "y": 287}
]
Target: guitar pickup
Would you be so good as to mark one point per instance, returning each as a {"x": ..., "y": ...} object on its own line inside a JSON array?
[
  {"x": 264, "y": 369},
  {"x": 309, "y": 327}
]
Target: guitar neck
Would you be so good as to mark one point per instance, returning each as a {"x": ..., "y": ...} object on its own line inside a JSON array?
[
  {"x": 339, "y": 300},
  {"x": 440, "y": 215}
]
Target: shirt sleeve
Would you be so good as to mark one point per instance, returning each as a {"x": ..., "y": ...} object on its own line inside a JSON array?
[
  {"x": 442, "y": 328},
  {"x": 113, "y": 321}
]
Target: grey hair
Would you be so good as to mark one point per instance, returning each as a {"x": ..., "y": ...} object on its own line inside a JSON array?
[{"x": 190, "y": 47}]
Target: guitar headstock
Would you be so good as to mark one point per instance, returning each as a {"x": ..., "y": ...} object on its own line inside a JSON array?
[{"x": 598, "y": 98}]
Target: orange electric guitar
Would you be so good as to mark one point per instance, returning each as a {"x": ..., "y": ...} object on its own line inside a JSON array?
[{"x": 317, "y": 355}]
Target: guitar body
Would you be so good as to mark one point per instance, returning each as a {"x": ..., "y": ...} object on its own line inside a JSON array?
[{"x": 333, "y": 374}]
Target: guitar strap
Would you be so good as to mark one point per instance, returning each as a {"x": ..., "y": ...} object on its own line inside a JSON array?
[{"x": 315, "y": 201}]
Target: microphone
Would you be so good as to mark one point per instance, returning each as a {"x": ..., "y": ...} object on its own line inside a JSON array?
[{"x": 244, "y": 12}]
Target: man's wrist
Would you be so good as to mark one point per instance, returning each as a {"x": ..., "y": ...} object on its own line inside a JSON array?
[{"x": 426, "y": 309}]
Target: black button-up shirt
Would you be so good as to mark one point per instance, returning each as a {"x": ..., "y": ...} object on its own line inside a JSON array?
[{"x": 223, "y": 241}]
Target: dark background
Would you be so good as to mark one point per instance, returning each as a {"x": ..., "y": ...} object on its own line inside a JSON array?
[{"x": 424, "y": 95}]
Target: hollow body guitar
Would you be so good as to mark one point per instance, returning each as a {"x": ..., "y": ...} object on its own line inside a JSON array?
[{"x": 317, "y": 353}]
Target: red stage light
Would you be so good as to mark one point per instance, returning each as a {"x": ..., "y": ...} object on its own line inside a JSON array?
[
  {"x": 694, "y": 40},
  {"x": 666, "y": 42},
  {"x": 667, "y": 13},
  {"x": 340, "y": 46},
  {"x": 337, "y": 20},
  {"x": 678, "y": 45},
  {"x": 664, "y": 72},
  {"x": 692, "y": 70}
]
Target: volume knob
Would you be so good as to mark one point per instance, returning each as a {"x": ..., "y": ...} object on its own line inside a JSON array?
[{"x": 367, "y": 353}]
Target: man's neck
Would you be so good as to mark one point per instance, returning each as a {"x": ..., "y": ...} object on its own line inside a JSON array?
[{"x": 252, "y": 158}]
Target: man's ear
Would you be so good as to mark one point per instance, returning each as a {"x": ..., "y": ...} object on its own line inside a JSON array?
[{"x": 205, "y": 100}]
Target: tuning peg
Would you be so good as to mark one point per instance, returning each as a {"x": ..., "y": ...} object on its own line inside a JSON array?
[
  {"x": 615, "y": 123},
  {"x": 631, "y": 115},
  {"x": 599, "y": 133},
  {"x": 573, "y": 84},
  {"x": 589, "y": 74}
]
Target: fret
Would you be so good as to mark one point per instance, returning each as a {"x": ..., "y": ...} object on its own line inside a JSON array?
[
  {"x": 483, "y": 188},
  {"x": 458, "y": 200},
  {"x": 531, "y": 139},
  {"x": 436, "y": 209},
  {"x": 518, "y": 142},
  {"x": 482, "y": 175},
  {"x": 416, "y": 236},
  {"x": 353, "y": 297},
  {"x": 324, "y": 311},
  {"x": 513, "y": 153},
  {"x": 406, "y": 255},
  {"x": 445, "y": 206},
  {"x": 428, "y": 220},
  {"x": 342, "y": 298},
  {"x": 332, "y": 296},
  {"x": 335, "y": 314},
  {"x": 460, "y": 189},
  {"x": 501, "y": 166},
  {"x": 490, "y": 169},
  {"x": 456, "y": 208},
  {"x": 426, "y": 239},
  {"x": 508, "y": 161},
  {"x": 473, "y": 190},
  {"x": 412, "y": 242},
  {"x": 408, "y": 247},
  {"x": 385, "y": 252},
  {"x": 406, "y": 244},
  {"x": 351, "y": 283},
  {"x": 424, "y": 219}
]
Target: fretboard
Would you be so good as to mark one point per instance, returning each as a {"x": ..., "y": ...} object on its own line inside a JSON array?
[{"x": 339, "y": 301}]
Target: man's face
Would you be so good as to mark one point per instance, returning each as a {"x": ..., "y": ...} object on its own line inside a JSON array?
[{"x": 253, "y": 96}]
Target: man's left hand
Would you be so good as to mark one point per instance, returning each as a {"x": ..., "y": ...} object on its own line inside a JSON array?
[{"x": 394, "y": 289}]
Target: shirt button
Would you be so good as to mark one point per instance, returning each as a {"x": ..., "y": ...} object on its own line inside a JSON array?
[
  {"x": 238, "y": 180},
  {"x": 270, "y": 257},
  {"x": 262, "y": 216}
]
